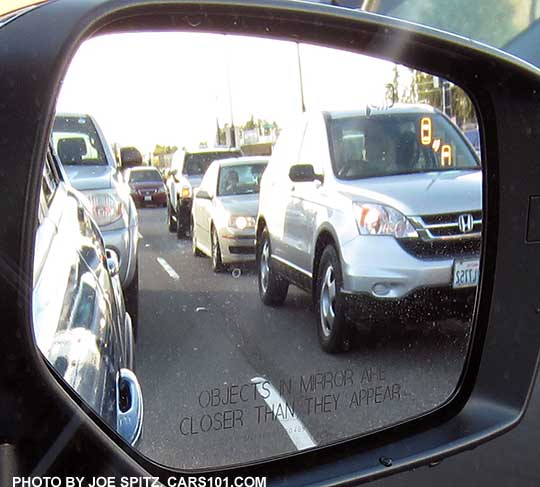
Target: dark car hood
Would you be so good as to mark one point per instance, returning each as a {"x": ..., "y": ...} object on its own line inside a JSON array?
[{"x": 89, "y": 177}]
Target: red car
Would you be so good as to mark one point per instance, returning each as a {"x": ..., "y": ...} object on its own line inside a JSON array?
[{"x": 147, "y": 186}]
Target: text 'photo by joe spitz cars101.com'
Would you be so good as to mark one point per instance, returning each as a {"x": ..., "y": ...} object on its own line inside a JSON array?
[{"x": 307, "y": 240}]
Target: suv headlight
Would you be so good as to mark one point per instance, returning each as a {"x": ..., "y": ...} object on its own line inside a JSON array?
[
  {"x": 106, "y": 207},
  {"x": 241, "y": 222},
  {"x": 373, "y": 219}
]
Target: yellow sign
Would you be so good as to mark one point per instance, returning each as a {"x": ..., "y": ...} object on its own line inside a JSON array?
[
  {"x": 446, "y": 156},
  {"x": 425, "y": 131}
]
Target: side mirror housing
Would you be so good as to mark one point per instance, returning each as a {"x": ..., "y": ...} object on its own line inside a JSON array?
[
  {"x": 304, "y": 173},
  {"x": 130, "y": 156},
  {"x": 202, "y": 194}
]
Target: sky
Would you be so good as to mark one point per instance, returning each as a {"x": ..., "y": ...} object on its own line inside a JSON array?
[{"x": 172, "y": 88}]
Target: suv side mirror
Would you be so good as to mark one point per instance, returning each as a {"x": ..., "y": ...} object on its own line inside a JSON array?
[
  {"x": 130, "y": 156},
  {"x": 304, "y": 173}
]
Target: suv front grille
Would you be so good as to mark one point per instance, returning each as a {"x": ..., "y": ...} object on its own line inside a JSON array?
[
  {"x": 442, "y": 236},
  {"x": 447, "y": 225}
]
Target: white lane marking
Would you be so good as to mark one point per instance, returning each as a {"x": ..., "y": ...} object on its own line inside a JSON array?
[
  {"x": 292, "y": 424},
  {"x": 167, "y": 268}
]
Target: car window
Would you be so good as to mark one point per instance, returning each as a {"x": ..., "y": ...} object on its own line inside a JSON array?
[
  {"x": 77, "y": 142},
  {"x": 240, "y": 179},
  {"x": 388, "y": 144},
  {"x": 150, "y": 176}
]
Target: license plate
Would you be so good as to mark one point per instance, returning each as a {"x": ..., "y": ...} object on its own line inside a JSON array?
[
  {"x": 147, "y": 198},
  {"x": 466, "y": 273}
]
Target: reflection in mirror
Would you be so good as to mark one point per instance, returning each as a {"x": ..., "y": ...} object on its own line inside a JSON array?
[{"x": 320, "y": 287}]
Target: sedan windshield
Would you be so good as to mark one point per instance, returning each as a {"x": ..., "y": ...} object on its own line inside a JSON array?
[
  {"x": 149, "y": 176},
  {"x": 77, "y": 142},
  {"x": 398, "y": 143},
  {"x": 240, "y": 179}
]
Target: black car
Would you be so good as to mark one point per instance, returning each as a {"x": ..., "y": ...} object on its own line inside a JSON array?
[{"x": 80, "y": 321}]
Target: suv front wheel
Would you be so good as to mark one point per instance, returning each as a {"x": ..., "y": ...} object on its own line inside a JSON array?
[
  {"x": 333, "y": 327},
  {"x": 272, "y": 287}
]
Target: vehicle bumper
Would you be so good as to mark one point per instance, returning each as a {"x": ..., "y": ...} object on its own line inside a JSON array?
[
  {"x": 237, "y": 246},
  {"x": 155, "y": 199},
  {"x": 124, "y": 241},
  {"x": 379, "y": 267},
  {"x": 422, "y": 305}
]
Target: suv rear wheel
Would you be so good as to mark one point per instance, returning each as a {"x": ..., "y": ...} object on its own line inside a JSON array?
[
  {"x": 273, "y": 288},
  {"x": 332, "y": 325}
]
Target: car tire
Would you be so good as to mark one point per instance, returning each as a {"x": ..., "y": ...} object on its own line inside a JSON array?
[
  {"x": 333, "y": 327},
  {"x": 194, "y": 248},
  {"x": 131, "y": 295},
  {"x": 180, "y": 227},
  {"x": 273, "y": 288},
  {"x": 171, "y": 221},
  {"x": 217, "y": 263}
]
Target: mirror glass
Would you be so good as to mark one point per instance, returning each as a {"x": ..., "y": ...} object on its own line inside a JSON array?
[{"x": 275, "y": 315}]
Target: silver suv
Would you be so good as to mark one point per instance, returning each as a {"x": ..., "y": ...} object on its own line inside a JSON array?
[
  {"x": 187, "y": 170},
  {"x": 370, "y": 211},
  {"x": 91, "y": 168}
]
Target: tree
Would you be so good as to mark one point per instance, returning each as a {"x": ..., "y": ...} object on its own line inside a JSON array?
[{"x": 164, "y": 149}]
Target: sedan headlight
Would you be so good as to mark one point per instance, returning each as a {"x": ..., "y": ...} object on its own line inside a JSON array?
[
  {"x": 375, "y": 219},
  {"x": 242, "y": 222},
  {"x": 106, "y": 207}
]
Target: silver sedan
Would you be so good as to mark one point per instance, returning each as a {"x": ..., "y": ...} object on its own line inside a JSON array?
[{"x": 225, "y": 210}]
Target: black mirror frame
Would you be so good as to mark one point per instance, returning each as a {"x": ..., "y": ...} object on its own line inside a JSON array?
[
  {"x": 496, "y": 384},
  {"x": 313, "y": 176}
]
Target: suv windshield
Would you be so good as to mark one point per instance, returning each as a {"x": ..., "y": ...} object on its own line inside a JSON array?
[
  {"x": 398, "y": 143},
  {"x": 149, "y": 176},
  {"x": 240, "y": 179},
  {"x": 77, "y": 142},
  {"x": 196, "y": 164}
]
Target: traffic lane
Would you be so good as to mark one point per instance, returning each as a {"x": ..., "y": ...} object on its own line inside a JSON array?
[
  {"x": 379, "y": 382},
  {"x": 179, "y": 351},
  {"x": 280, "y": 344}
]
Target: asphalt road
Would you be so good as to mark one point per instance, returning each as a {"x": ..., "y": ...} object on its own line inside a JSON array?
[{"x": 227, "y": 380}]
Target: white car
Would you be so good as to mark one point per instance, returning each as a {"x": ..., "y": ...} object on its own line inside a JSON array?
[
  {"x": 368, "y": 211},
  {"x": 225, "y": 210}
]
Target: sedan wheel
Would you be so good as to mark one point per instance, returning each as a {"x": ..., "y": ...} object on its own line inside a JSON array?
[
  {"x": 194, "y": 248},
  {"x": 217, "y": 264}
]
